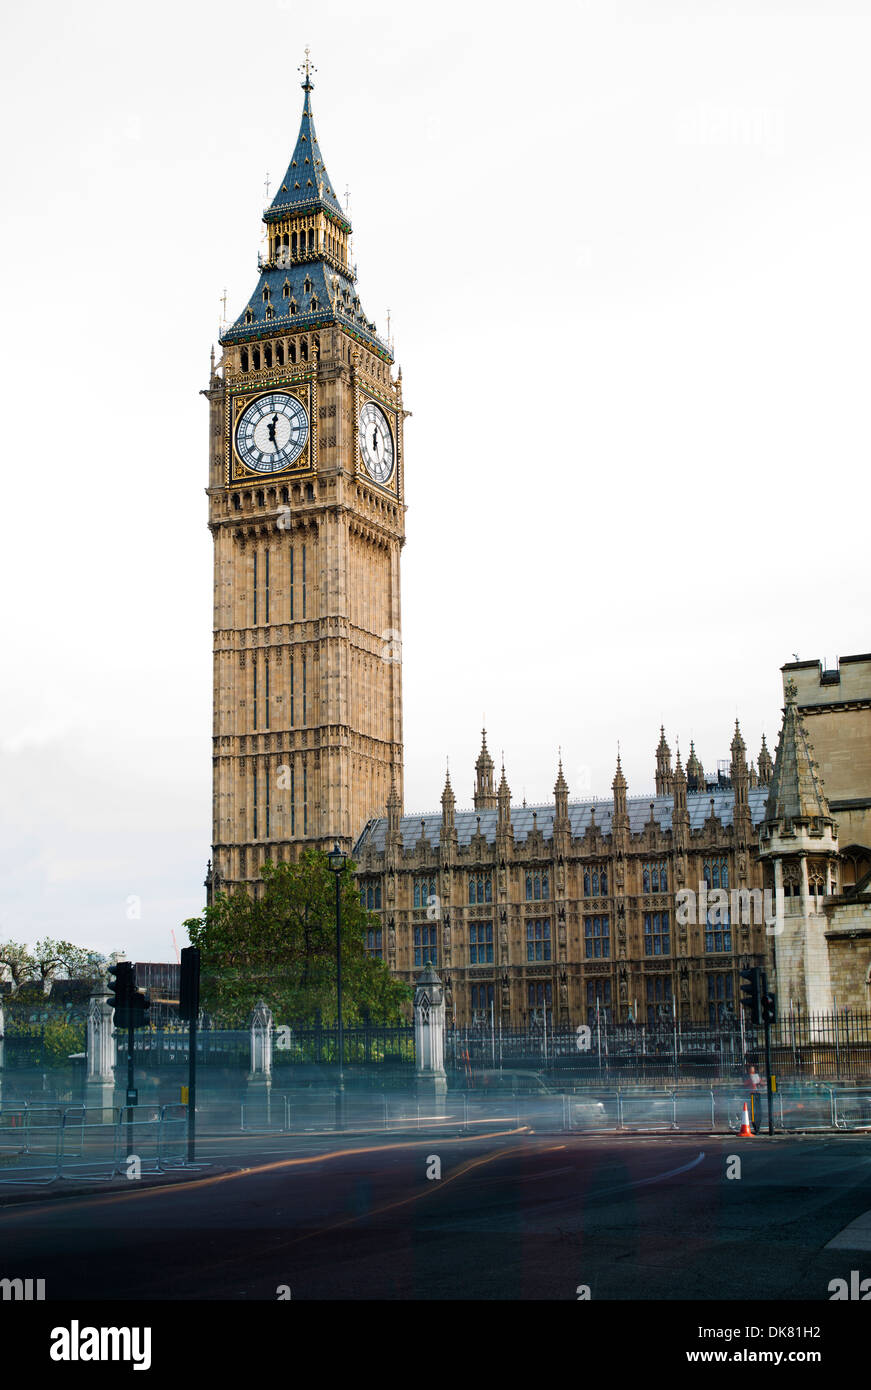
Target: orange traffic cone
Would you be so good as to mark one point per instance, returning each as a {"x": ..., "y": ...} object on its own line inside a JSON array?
[{"x": 745, "y": 1132}]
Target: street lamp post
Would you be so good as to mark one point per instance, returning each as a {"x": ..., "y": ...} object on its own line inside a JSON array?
[{"x": 337, "y": 861}]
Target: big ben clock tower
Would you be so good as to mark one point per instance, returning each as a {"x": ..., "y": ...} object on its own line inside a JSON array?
[{"x": 307, "y": 513}]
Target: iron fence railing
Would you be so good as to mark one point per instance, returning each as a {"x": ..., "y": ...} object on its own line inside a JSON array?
[
  {"x": 369, "y": 1045},
  {"x": 812, "y": 1047}
]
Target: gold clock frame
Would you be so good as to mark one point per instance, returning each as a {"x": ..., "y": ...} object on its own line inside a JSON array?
[
  {"x": 237, "y": 470},
  {"x": 365, "y": 396}
]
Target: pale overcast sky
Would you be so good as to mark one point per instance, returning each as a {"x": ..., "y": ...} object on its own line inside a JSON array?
[{"x": 625, "y": 250}]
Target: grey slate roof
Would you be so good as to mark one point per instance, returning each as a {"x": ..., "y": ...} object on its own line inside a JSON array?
[
  {"x": 638, "y": 809},
  {"x": 328, "y": 287},
  {"x": 306, "y": 180}
]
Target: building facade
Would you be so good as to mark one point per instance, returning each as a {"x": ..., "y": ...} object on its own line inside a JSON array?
[
  {"x": 625, "y": 908},
  {"x": 634, "y": 907},
  {"x": 307, "y": 513},
  {"x": 816, "y": 838}
]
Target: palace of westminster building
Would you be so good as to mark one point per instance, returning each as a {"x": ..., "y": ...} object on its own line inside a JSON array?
[{"x": 634, "y": 907}]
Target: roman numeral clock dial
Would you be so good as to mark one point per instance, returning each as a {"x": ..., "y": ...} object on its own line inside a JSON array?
[
  {"x": 272, "y": 432},
  {"x": 376, "y": 443}
]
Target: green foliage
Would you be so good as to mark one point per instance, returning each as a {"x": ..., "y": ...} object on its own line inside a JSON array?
[
  {"x": 60, "y": 1038},
  {"x": 51, "y": 960},
  {"x": 62, "y": 960},
  {"x": 280, "y": 946},
  {"x": 17, "y": 960},
  {"x": 53, "y": 1039}
]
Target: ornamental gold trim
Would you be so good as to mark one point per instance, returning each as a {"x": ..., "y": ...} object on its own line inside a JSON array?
[{"x": 236, "y": 470}]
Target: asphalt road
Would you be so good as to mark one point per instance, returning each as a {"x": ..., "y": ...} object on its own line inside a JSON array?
[{"x": 511, "y": 1217}]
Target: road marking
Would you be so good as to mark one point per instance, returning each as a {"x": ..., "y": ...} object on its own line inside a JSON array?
[
  {"x": 856, "y": 1236},
  {"x": 645, "y": 1182}
]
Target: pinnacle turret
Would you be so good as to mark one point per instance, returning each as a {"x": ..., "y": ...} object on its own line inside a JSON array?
[
  {"x": 485, "y": 793},
  {"x": 695, "y": 771},
  {"x": 765, "y": 765},
  {"x": 796, "y": 792},
  {"x": 663, "y": 765}
]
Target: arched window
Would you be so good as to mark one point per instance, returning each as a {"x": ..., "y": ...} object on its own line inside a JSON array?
[
  {"x": 291, "y": 352},
  {"x": 279, "y": 354},
  {"x": 243, "y": 359},
  {"x": 303, "y": 349},
  {"x": 293, "y": 244},
  {"x": 267, "y": 350},
  {"x": 249, "y": 317},
  {"x": 480, "y": 888},
  {"x": 256, "y": 359}
]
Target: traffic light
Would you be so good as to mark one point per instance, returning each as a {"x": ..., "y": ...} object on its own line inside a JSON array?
[
  {"x": 121, "y": 989},
  {"x": 769, "y": 1008},
  {"x": 751, "y": 993},
  {"x": 138, "y": 1010},
  {"x": 189, "y": 983}
]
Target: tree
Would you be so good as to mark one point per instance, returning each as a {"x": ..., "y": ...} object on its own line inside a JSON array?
[
  {"x": 17, "y": 960},
  {"x": 62, "y": 960},
  {"x": 279, "y": 945}
]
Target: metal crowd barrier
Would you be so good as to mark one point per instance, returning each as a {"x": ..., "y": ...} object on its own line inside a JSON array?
[
  {"x": 628, "y": 1111},
  {"x": 49, "y": 1143},
  {"x": 852, "y": 1110}
]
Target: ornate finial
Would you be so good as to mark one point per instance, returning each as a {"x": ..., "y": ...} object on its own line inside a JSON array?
[
  {"x": 266, "y": 186},
  {"x": 790, "y": 691},
  {"x": 307, "y": 68}
]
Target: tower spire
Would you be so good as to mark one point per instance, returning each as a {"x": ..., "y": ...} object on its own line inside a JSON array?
[{"x": 307, "y": 68}]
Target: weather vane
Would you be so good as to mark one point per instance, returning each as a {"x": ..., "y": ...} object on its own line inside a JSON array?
[{"x": 308, "y": 67}]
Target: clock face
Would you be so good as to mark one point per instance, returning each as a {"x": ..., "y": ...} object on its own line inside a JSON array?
[
  {"x": 376, "y": 442},
  {"x": 272, "y": 432}
]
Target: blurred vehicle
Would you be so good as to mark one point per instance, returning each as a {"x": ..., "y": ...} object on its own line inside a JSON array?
[{"x": 510, "y": 1083}]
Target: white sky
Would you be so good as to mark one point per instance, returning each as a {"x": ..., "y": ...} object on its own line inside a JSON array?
[{"x": 625, "y": 249}]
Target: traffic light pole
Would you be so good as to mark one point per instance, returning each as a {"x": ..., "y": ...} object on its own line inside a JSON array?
[
  {"x": 768, "y": 1076},
  {"x": 192, "y": 1087},
  {"x": 130, "y": 1041},
  {"x": 189, "y": 1008}
]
